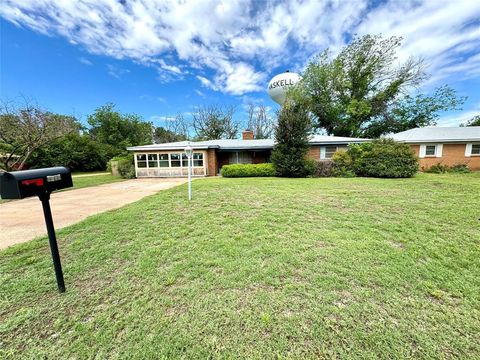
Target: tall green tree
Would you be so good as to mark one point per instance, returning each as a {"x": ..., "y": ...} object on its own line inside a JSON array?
[
  {"x": 162, "y": 135},
  {"x": 415, "y": 111},
  {"x": 26, "y": 128},
  {"x": 77, "y": 151},
  {"x": 111, "y": 127},
  {"x": 215, "y": 122},
  {"x": 291, "y": 137},
  {"x": 475, "y": 121},
  {"x": 360, "y": 84}
]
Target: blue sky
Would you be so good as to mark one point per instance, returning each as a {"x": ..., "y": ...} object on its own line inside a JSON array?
[{"x": 162, "y": 58}]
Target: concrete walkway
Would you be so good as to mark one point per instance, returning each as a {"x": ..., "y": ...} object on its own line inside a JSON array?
[{"x": 22, "y": 220}]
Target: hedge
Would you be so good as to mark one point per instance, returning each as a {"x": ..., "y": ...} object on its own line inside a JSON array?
[
  {"x": 248, "y": 170},
  {"x": 383, "y": 158}
]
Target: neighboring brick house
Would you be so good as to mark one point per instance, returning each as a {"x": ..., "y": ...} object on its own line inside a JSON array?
[
  {"x": 444, "y": 145},
  {"x": 169, "y": 159}
]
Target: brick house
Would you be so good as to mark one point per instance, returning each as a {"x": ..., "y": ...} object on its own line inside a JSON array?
[
  {"x": 169, "y": 160},
  {"x": 444, "y": 145}
]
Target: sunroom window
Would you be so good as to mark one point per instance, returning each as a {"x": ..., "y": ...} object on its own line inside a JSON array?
[
  {"x": 141, "y": 160},
  {"x": 197, "y": 159},
  {"x": 152, "y": 160},
  {"x": 175, "y": 160},
  {"x": 163, "y": 160},
  {"x": 184, "y": 160}
]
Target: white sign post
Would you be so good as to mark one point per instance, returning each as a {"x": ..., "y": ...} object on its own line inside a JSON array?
[{"x": 189, "y": 153}]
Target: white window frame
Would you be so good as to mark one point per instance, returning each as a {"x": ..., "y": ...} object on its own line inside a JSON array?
[
  {"x": 423, "y": 150},
  {"x": 148, "y": 161},
  {"x": 168, "y": 160},
  {"x": 323, "y": 151},
  {"x": 469, "y": 148}
]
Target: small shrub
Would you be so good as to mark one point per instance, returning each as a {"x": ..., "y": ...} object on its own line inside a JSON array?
[
  {"x": 248, "y": 170},
  {"x": 323, "y": 169},
  {"x": 437, "y": 169},
  {"x": 125, "y": 166},
  {"x": 384, "y": 158},
  {"x": 342, "y": 158},
  {"x": 440, "y": 168},
  {"x": 346, "y": 173},
  {"x": 459, "y": 169},
  {"x": 309, "y": 167},
  {"x": 342, "y": 164},
  {"x": 326, "y": 168}
]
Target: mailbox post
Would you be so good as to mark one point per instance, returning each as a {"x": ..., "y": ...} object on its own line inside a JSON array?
[
  {"x": 52, "y": 239},
  {"x": 41, "y": 183}
]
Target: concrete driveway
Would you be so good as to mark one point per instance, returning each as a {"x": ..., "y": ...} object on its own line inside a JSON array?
[{"x": 22, "y": 220}]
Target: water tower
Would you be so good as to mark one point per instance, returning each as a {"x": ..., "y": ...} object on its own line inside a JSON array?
[{"x": 279, "y": 85}]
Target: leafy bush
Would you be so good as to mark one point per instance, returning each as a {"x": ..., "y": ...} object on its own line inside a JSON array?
[
  {"x": 248, "y": 170},
  {"x": 440, "y": 168},
  {"x": 459, "y": 168},
  {"x": 385, "y": 158},
  {"x": 309, "y": 167},
  {"x": 323, "y": 169},
  {"x": 78, "y": 152},
  {"x": 125, "y": 165},
  {"x": 380, "y": 158},
  {"x": 437, "y": 169},
  {"x": 327, "y": 168},
  {"x": 342, "y": 164}
]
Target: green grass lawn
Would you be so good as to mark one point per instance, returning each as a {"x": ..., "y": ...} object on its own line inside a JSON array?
[
  {"x": 258, "y": 268},
  {"x": 85, "y": 181}
]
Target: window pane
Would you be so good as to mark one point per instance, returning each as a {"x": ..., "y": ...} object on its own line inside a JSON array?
[
  {"x": 430, "y": 149},
  {"x": 152, "y": 160},
  {"x": 163, "y": 163},
  {"x": 184, "y": 160},
  {"x": 476, "y": 149},
  {"x": 163, "y": 157},
  {"x": 329, "y": 151},
  {"x": 175, "y": 160},
  {"x": 197, "y": 159},
  {"x": 141, "y": 160}
]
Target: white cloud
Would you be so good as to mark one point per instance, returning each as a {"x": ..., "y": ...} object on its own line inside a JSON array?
[
  {"x": 116, "y": 72},
  {"x": 241, "y": 41},
  {"x": 206, "y": 82},
  {"x": 161, "y": 118},
  {"x": 459, "y": 117},
  {"x": 445, "y": 33},
  {"x": 85, "y": 61}
]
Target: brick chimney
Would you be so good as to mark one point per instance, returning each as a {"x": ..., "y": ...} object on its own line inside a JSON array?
[{"x": 247, "y": 135}]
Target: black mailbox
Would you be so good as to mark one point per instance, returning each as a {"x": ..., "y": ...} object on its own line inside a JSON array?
[
  {"x": 41, "y": 183},
  {"x": 26, "y": 183}
]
